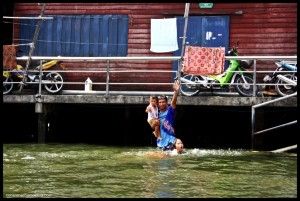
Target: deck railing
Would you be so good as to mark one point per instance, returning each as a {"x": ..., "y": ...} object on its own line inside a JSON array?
[
  {"x": 254, "y": 132},
  {"x": 108, "y": 71}
]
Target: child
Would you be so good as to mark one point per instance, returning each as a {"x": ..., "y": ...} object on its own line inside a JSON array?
[{"x": 152, "y": 111}]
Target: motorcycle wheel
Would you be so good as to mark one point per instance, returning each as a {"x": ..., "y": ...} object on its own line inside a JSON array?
[
  {"x": 188, "y": 89},
  {"x": 244, "y": 89},
  {"x": 53, "y": 82},
  {"x": 283, "y": 89},
  {"x": 7, "y": 87}
]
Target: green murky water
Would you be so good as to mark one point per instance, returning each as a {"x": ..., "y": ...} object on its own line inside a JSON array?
[{"x": 64, "y": 170}]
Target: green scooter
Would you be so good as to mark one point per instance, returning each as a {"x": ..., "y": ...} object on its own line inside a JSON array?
[{"x": 241, "y": 81}]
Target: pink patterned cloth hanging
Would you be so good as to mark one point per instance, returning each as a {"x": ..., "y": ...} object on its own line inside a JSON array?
[
  {"x": 9, "y": 57},
  {"x": 203, "y": 60}
]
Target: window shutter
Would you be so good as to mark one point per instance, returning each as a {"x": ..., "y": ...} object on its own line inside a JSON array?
[{"x": 80, "y": 35}]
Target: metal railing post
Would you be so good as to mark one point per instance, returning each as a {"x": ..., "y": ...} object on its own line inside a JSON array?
[
  {"x": 252, "y": 126},
  {"x": 107, "y": 79},
  {"x": 40, "y": 78},
  {"x": 254, "y": 78}
]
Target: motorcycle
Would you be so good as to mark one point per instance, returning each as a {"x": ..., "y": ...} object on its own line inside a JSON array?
[
  {"x": 242, "y": 81},
  {"x": 285, "y": 82},
  {"x": 52, "y": 81}
]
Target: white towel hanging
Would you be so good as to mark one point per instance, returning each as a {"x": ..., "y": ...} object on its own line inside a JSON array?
[{"x": 164, "y": 35}]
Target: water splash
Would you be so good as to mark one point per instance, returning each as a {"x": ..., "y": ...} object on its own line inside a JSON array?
[
  {"x": 28, "y": 158},
  {"x": 213, "y": 152},
  {"x": 188, "y": 152}
]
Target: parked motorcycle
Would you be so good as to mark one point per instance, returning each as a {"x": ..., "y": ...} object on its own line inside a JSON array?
[
  {"x": 243, "y": 82},
  {"x": 285, "y": 82},
  {"x": 52, "y": 81}
]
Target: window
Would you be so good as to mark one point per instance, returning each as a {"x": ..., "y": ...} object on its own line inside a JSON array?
[{"x": 78, "y": 35}]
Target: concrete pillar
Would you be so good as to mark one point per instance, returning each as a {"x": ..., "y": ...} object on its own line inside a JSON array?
[
  {"x": 42, "y": 111},
  {"x": 42, "y": 128},
  {"x": 38, "y": 107}
]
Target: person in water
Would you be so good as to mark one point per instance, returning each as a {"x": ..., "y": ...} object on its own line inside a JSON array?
[
  {"x": 173, "y": 151},
  {"x": 166, "y": 116},
  {"x": 152, "y": 110}
]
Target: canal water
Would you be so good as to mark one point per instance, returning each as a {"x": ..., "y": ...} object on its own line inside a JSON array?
[{"x": 83, "y": 170}]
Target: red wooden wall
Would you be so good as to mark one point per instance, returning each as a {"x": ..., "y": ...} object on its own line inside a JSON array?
[{"x": 260, "y": 28}]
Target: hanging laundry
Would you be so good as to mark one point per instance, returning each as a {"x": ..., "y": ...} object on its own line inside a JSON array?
[
  {"x": 203, "y": 60},
  {"x": 9, "y": 56},
  {"x": 164, "y": 35}
]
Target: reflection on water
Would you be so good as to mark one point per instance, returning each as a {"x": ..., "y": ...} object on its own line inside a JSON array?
[{"x": 80, "y": 170}]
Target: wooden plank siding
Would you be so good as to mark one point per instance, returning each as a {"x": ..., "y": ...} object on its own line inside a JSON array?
[{"x": 261, "y": 29}]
